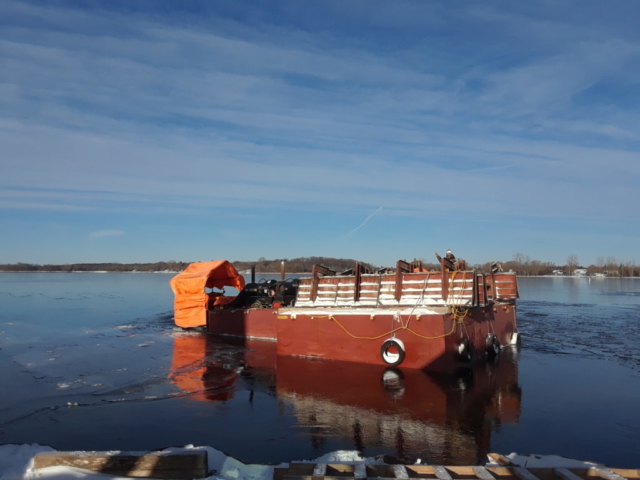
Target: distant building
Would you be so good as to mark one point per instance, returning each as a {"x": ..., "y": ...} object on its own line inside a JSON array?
[
  {"x": 580, "y": 272},
  {"x": 558, "y": 272}
]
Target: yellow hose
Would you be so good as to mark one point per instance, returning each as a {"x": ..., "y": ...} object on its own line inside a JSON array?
[{"x": 331, "y": 317}]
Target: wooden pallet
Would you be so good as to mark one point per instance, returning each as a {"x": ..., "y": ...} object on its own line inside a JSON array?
[
  {"x": 506, "y": 471},
  {"x": 174, "y": 465},
  {"x": 193, "y": 464}
]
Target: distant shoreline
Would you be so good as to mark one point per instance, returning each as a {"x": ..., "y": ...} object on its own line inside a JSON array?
[
  {"x": 175, "y": 272},
  {"x": 84, "y": 271},
  {"x": 287, "y": 274}
]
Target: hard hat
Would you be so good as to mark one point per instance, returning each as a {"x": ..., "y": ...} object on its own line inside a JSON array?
[{"x": 449, "y": 251}]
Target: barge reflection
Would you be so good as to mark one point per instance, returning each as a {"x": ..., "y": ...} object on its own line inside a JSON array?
[{"x": 408, "y": 414}]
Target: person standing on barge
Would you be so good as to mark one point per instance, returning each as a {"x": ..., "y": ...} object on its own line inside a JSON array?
[{"x": 449, "y": 260}]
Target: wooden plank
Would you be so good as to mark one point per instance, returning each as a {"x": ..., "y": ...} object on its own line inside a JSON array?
[
  {"x": 500, "y": 459},
  {"x": 420, "y": 471},
  {"x": 444, "y": 284},
  {"x": 491, "y": 288},
  {"x": 627, "y": 472},
  {"x": 380, "y": 471},
  {"x": 604, "y": 473},
  {"x": 340, "y": 470},
  {"x": 565, "y": 474},
  {"x": 483, "y": 474},
  {"x": 543, "y": 473},
  {"x": 462, "y": 471},
  {"x": 177, "y": 465},
  {"x": 279, "y": 473},
  {"x": 155, "y": 474},
  {"x": 310, "y": 477},
  {"x": 441, "y": 473},
  {"x": 501, "y": 472},
  {"x": 524, "y": 474},
  {"x": 298, "y": 468},
  {"x": 298, "y": 471}
]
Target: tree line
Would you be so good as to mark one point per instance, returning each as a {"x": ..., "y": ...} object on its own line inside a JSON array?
[
  {"x": 171, "y": 266},
  {"x": 609, "y": 266},
  {"x": 299, "y": 265},
  {"x": 520, "y": 263},
  {"x": 296, "y": 265}
]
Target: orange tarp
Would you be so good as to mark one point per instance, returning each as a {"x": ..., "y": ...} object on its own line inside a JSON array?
[{"x": 190, "y": 305}]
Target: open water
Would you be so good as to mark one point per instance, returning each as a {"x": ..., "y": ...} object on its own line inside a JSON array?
[{"x": 92, "y": 361}]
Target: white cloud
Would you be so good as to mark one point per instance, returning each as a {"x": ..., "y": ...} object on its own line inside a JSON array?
[
  {"x": 239, "y": 115},
  {"x": 106, "y": 233}
]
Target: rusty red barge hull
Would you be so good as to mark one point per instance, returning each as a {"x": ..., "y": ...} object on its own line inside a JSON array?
[
  {"x": 355, "y": 337},
  {"x": 432, "y": 320},
  {"x": 427, "y": 339}
]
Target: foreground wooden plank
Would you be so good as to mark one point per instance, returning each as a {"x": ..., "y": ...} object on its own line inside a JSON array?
[
  {"x": 500, "y": 459},
  {"x": 604, "y": 473},
  {"x": 310, "y": 471},
  {"x": 626, "y": 472},
  {"x": 175, "y": 465},
  {"x": 482, "y": 473},
  {"x": 565, "y": 474},
  {"x": 524, "y": 474}
]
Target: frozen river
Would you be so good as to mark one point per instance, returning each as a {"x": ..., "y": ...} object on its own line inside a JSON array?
[{"x": 93, "y": 362}]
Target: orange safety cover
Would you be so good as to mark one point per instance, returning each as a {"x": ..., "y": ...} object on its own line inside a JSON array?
[{"x": 190, "y": 305}]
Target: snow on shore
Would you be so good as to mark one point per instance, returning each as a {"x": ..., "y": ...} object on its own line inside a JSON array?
[{"x": 16, "y": 463}]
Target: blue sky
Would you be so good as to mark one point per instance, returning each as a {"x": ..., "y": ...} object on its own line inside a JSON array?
[{"x": 151, "y": 130}]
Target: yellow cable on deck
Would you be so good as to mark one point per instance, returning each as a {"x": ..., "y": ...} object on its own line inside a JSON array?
[
  {"x": 457, "y": 313},
  {"x": 331, "y": 317}
]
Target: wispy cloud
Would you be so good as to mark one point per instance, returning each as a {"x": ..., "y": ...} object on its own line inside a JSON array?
[
  {"x": 365, "y": 221},
  {"x": 106, "y": 233},
  {"x": 274, "y": 111}
]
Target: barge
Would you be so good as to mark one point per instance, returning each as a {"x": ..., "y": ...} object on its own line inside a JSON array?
[{"x": 407, "y": 316}]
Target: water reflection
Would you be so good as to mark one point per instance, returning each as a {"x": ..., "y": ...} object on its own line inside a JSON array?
[
  {"x": 208, "y": 367},
  {"x": 407, "y": 413}
]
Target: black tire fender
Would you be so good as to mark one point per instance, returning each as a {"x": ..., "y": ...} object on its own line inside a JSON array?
[
  {"x": 392, "y": 359},
  {"x": 465, "y": 350},
  {"x": 492, "y": 346}
]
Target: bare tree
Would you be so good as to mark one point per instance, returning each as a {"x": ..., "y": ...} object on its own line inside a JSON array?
[
  {"x": 611, "y": 263},
  {"x": 572, "y": 263},
  {"x": 522, "y": 264}
]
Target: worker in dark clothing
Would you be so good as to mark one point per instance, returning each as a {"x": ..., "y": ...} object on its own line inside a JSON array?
[{"x": 448, "y": 261}]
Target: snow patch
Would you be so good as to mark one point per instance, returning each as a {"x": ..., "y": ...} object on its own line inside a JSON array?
[
  {"x": 17, "y": 460},
  {"x": 349, "y": 457}
]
